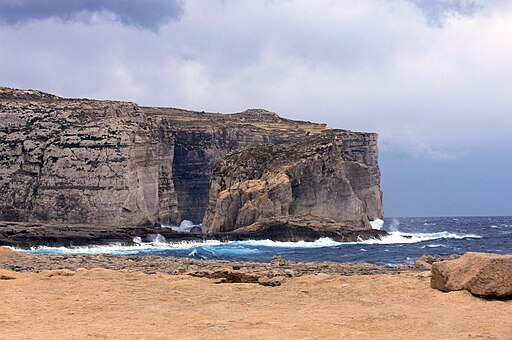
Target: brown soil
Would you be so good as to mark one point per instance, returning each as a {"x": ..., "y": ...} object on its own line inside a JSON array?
[{"x": 121, "y": 304}]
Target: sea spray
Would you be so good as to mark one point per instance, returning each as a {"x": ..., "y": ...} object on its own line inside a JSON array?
[
  {"x": 156, "y": 238},
  {"x": 377, "y": 224},
  {"x": 393, "y": 226},
  {"x": 184, "y": 227}
]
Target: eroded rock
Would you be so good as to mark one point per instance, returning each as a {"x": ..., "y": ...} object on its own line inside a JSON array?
[
  {"x": 482, "y": 274},
  {"x": 305, "y": 228},
  {"x": 79, "y": 163},
  {"x": 309, "y": 176},
  {"x": 116, "y": 163}
]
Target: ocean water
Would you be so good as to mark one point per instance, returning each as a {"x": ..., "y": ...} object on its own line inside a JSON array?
[{"x": 409, "y": 239}]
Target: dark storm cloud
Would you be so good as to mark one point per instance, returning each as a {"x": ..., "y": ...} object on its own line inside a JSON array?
[
  {"x": 149, "y": 14},
  {"x": 438, "y": 11}
]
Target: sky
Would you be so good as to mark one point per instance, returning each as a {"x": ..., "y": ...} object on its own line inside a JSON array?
[{"x": 432, "y": 77}]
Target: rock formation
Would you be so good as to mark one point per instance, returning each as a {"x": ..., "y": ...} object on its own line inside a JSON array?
[
  {"x": 487, "y": 275},
  {"x": 91, "y": 162},
  {"x": 304, "y": 228},
  {"x": 311, "y": 176}
]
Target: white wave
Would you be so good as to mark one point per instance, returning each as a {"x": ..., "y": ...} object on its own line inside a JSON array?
[
  {"x": 156, "y": 238},
  {"x": 320, "y": 243},
  {"x": 118, "y": 249},
  {"x": 399, "y": 237},
  {"x": 377, "y": 224},
  {"x": 247, "y": 246},
  {"x": 432, "y": 246}
]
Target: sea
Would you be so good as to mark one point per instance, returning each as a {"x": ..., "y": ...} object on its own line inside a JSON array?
[{"x": 409, "y": 238}]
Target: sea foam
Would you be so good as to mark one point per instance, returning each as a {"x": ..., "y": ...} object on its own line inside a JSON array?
[
  {"x": 239, "y": 247},
  {"x": 377, "y": 224}
]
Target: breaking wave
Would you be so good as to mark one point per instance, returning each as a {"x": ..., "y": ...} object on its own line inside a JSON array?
[
  {"x": 395, "y": 237},
  {"x": 377, "y": 224},
  {"x": 159, "y": 245}
]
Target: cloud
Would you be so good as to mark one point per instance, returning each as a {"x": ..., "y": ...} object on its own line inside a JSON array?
[
  {"x": 435, "y": 96},
  {"x": 437, "y": 12},
  {"x": 351, "y": 64},
  {"x": 147, "y": 14}
]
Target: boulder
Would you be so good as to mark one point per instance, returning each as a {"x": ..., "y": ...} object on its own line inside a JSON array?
[
  {"x": 482, "y": 274},
  {"x": 425, "y": 262}
]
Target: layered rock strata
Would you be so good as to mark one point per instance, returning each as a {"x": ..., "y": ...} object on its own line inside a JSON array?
[
  {"x": 114, "y": 164},
  {"x": 82, "y": 161},
  {"x": 313, "y": 176}
]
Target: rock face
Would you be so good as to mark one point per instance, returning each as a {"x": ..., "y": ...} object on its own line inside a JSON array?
[
  {"x": 312, "y": 176},
  {"x": 487, "y": 275},
  {"x": 81, "y": 161},
  {"x": 305, "y": 228},
  {"x": 89, "y": 162}
]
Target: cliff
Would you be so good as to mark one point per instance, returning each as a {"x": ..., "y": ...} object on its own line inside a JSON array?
[
  {"x": 80, "y": 161},
  {"x": 316, "y": 175}
]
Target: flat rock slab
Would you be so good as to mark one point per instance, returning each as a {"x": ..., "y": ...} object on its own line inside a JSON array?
[{"x": 482, "y": 274}]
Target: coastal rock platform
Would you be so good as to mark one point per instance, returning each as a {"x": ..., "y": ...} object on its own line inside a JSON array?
[{"x": 27, "y": 234}]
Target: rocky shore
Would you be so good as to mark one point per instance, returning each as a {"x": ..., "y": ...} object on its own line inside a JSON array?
[
  {"x": 278, "y": 270},
  {"x": 26, "y": 234}
]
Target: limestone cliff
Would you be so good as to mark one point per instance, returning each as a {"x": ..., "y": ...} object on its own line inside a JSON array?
[
  {"x": 80, "y": 161},
  {"x": 333, "y": 174},
  {"x": 87, "y": 161}
]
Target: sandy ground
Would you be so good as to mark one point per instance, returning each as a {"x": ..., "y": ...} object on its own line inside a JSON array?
[{"x": 101, "y": 303}]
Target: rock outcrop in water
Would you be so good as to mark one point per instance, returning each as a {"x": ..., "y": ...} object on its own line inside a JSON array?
[
  {"x": 310, "y": 176},
  {"x": 91, "y": 162}
]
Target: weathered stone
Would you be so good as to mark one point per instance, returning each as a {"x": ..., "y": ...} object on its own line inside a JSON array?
[
  {"x": 305, "y": 228},
  {"x": 309, "y": 176},
  {"x": 26, "y": 234},
  {"x": 487, "y": 275},
  {"x": 184, "y": 265},
  {"x": 116, "y": 164},
  {"x": 196, "y": 230},
  {"x": 227, "y": 276},
  {"x": 429, "y": 259}
]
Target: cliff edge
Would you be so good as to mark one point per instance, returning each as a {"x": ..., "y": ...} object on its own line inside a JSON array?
[
  {"x": 312, "y": 176},
  {"x": 111, "y": 163}
]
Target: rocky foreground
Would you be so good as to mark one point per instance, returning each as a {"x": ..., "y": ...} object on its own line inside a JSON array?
[
  {"x": 202, "y": 302},
  {"x": 274, "y": 273}
]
